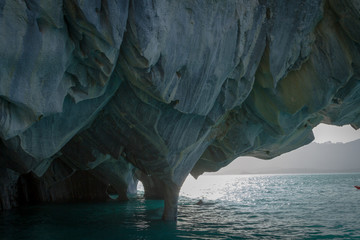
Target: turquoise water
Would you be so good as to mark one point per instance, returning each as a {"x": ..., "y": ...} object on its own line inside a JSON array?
[{"x": 318, "y": 206}]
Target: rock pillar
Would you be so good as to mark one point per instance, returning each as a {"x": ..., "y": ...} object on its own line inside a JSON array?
[
  {"x": 166, "y": 190},
  {"x": 171, "y": 196},
  {"x": 8, "y": 188}
]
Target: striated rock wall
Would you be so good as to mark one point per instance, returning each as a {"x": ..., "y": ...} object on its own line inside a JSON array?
[{"x": 103, "y": 93}]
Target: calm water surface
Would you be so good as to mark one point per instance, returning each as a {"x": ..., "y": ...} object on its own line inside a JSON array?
[{"x": 317, "y": 206}]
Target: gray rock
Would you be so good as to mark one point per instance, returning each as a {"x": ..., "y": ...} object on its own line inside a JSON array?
[{"x": 108, "y": 92}]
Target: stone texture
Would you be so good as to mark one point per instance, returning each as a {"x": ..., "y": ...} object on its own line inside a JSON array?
[
  {"x": 106, "y": 93},
  {"x": 8, "y": 189}
]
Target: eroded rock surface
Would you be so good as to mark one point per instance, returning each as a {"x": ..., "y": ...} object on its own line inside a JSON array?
[{"x": 106, "y": 93}]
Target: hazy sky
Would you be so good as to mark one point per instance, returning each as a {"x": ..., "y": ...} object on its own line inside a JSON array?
[{"x": 324, "y": 133}]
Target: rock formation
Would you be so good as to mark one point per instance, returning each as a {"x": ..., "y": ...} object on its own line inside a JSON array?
[{"x": 105, "y": 93}]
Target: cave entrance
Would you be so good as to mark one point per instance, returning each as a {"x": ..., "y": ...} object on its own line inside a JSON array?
[
  {"x": 111, "y": 192},
  {"x": 140, "y": 188}
]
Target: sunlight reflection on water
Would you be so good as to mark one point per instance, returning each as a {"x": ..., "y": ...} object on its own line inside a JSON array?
[
  {"x": 275, "y": 205},
  {"x": 231, "y": 188}
]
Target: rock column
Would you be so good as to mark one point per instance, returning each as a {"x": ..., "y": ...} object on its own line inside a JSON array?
[{"x": 171, "y": 196}]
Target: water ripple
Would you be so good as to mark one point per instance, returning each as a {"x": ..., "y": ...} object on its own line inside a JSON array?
[{"x": 235, "y": 207}]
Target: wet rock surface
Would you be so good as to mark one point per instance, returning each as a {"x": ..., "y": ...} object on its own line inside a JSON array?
[{"x": 99, "y": 93}]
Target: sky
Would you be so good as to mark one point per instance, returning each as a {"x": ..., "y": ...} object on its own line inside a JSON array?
[{"x": 325, "y": 133}]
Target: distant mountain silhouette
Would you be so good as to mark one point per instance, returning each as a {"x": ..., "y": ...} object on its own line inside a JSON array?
[{"x": 313, "y": 158}]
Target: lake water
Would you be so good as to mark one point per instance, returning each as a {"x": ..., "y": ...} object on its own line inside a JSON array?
[{"x": 314, "y": 206}]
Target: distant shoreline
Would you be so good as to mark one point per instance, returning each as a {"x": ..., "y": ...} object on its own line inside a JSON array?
[
  {"x": 278, "y": 173},
  {"x": 312, "y": 158}
]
